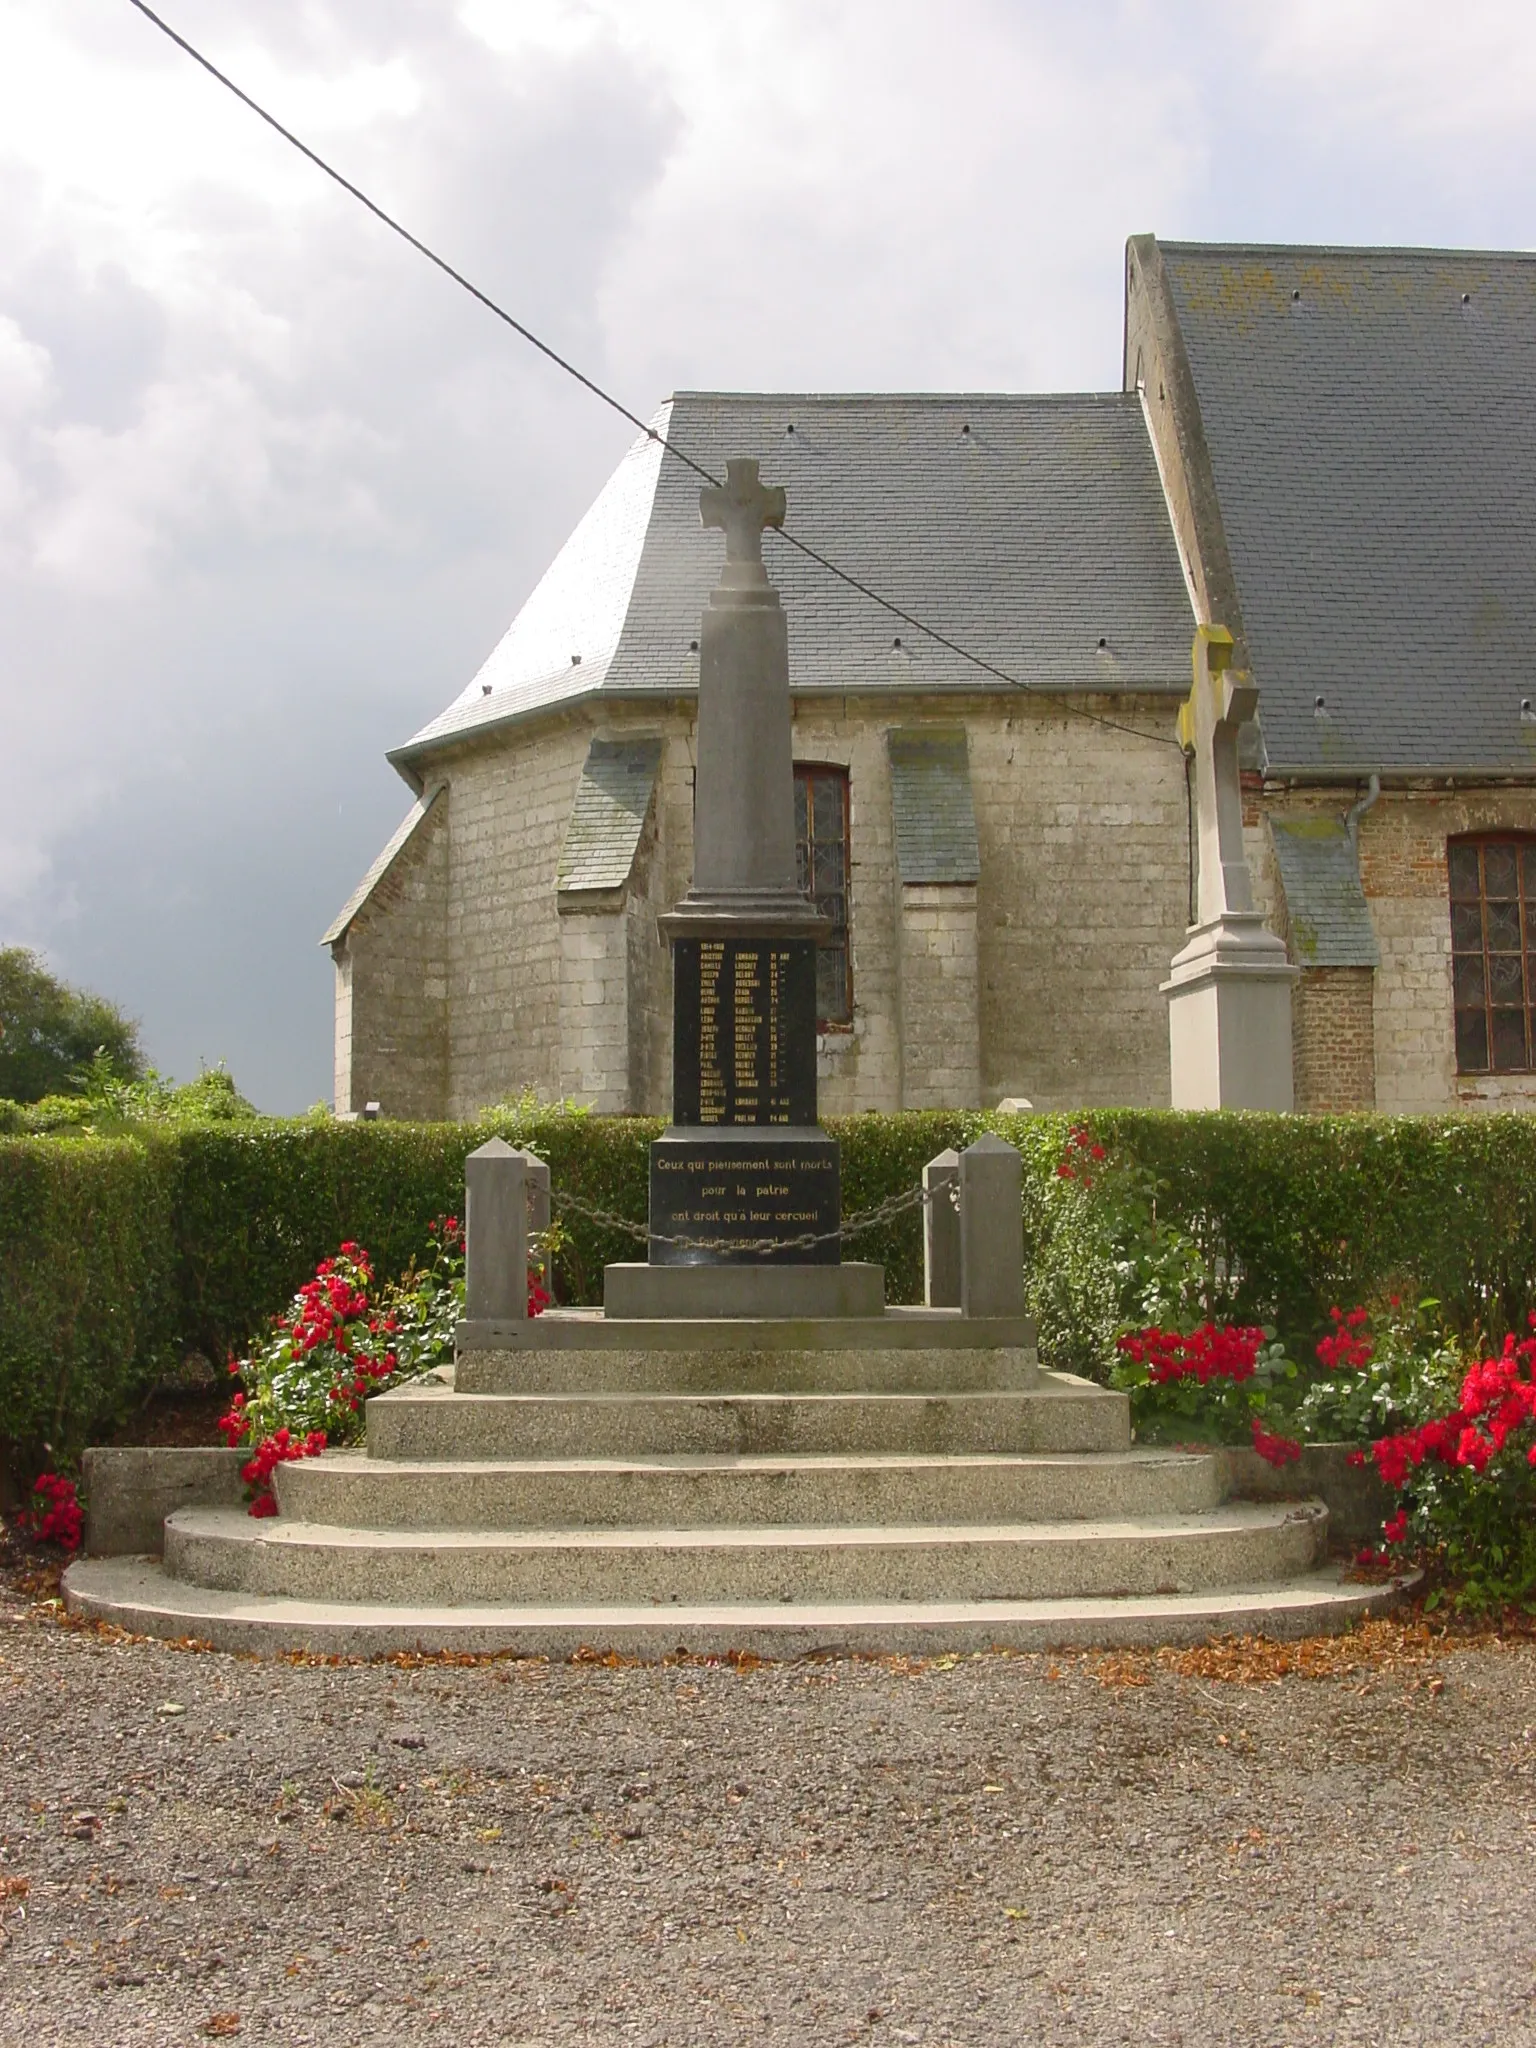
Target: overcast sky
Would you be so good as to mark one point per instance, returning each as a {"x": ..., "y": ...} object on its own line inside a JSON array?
[{"x": 270, "y": 488}]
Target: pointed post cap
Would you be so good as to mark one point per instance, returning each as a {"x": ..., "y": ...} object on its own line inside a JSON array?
[
  {"x": 990, "y": 1143},
  {"x": 496, "y": 1148}
]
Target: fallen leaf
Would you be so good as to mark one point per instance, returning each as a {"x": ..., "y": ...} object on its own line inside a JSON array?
[{"x": 221, "y": 2025}]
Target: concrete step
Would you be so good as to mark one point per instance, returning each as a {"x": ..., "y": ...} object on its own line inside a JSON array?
[
  {"x": 431, "y": 1421},
  {"x": 693, "y": 1491},
  {"x": 137, "y": 1594},
  {"x": 1239, "y": 1544},
  {"x": 887, "y": 1358}
]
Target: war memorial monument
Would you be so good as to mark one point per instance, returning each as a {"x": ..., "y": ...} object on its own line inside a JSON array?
[{"x": 745, "y": 1447}]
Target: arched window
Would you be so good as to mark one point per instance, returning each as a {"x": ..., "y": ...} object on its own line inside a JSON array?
[
  {"x": 1493, "y": 953},
  {"x": 823, "y": 856}
]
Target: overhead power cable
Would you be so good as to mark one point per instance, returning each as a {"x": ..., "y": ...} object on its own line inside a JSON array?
[{"x": 617, "y": 405}]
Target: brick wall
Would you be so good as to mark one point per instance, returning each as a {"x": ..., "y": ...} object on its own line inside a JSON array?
[
  {"x": 1333, "y": 1039},
  {"x": 1402, "y": 841}
]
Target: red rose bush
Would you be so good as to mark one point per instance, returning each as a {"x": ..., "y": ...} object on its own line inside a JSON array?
[
  {"x": 1214, "y": 1384},
  {"x": 1466, "y": 1481},
  {"x": 342, "y": 1340}
]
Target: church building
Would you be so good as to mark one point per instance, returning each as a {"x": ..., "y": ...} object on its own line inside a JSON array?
[{"x": 1329, "y": 452}]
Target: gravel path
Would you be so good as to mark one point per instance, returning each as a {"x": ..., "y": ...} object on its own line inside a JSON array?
[{"x": 988, "y": 1850}]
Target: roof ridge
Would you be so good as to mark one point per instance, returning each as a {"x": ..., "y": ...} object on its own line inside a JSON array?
[
  {"x": 912, "y": 397},
  {"x": 1343, "y": 249}
]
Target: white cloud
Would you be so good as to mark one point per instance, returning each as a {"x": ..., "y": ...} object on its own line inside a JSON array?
[{"x": 1427, "y": 70}]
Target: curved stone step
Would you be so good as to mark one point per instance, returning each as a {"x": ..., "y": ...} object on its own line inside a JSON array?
[
  {"x": 432, "y": 1421},
  {"x": 137, "y": 1594},
  {"x": 697, "y": 1360},
  {"x": 689, "y": 1492},
  {"x": 1240, "y": 1544}
]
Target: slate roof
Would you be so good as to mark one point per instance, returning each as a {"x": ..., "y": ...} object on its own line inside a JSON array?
[
  {"x": 1371, "y": 421},
  {"x": 1032, "y": 530},
  {"x": 931, "y": 806},
  {"x": 1330, "y": 924},
  {"x": 608, "y": 813}
]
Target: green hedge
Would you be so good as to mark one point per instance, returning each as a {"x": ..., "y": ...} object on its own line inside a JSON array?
[
  {"x": 87, "y": 1286},
  {"x": 1302, "y": 1212},
  {"x": 119, "y": 1256}
]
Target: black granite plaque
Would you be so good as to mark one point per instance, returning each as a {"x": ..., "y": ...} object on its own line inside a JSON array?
[
  {"x": 727, "y": 1191},
  {"x": 743, "y": 1032}
]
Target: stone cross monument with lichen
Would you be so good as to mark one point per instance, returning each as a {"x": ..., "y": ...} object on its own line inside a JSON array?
[{"x": 1229, "y": 986}]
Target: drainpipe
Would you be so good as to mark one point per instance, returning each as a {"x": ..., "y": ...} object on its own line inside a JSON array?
[{"x": 1359, "y": 807}]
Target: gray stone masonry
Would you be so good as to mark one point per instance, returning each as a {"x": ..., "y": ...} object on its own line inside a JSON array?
[
  {"x": 941, "y": 1231},
  {"x": 991, "y": 1229},
  {"x": 499, "y": 1185},
  {"x": 130, "y": 1492},
  {"x": 662, "y": 1293}
]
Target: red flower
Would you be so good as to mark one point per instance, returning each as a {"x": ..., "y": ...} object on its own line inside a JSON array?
[
  {"x": 1396, "y": 1529},
  {"x": 1344, "y": 1347},
  {"x": 54, "y": 1515},
  {"x": 1205, "y": 1354},
  {"x": 1275, "y": 1450}
]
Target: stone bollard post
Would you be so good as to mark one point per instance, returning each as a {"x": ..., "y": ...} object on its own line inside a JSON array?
[
  {"x": 538, "y": 1213},
  {"x": 941, "y": 1231},
  {"x": 496, "y": 1190},
  {"x": 991, "y": 1229}
]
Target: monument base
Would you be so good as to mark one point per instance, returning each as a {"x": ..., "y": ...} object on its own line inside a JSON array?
[
  {"x": 1229, "y": 1017},
  {"x": 689, "y": 1293},
  {"x": 745, "y": 1194}
]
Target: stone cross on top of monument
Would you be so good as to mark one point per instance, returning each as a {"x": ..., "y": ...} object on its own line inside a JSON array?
[
  {"x": 742, "y": 506},
  {"x": 744, "y": 781},
  {"x": 1221, "y": 700}
]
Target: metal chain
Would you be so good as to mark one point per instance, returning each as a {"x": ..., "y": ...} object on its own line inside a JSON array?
[{"x": 864, "y": 1219}]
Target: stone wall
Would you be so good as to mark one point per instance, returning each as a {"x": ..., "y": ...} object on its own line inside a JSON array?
[
  {"x": 940, "y": 1017},
  {"x": 1080, "y": 907},
  {"x": 512, "y": 794},
  {"x": 458, "y": 982},
  {"x": 392, "y": 981},
  {"x": 1082, "y": 903}
]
